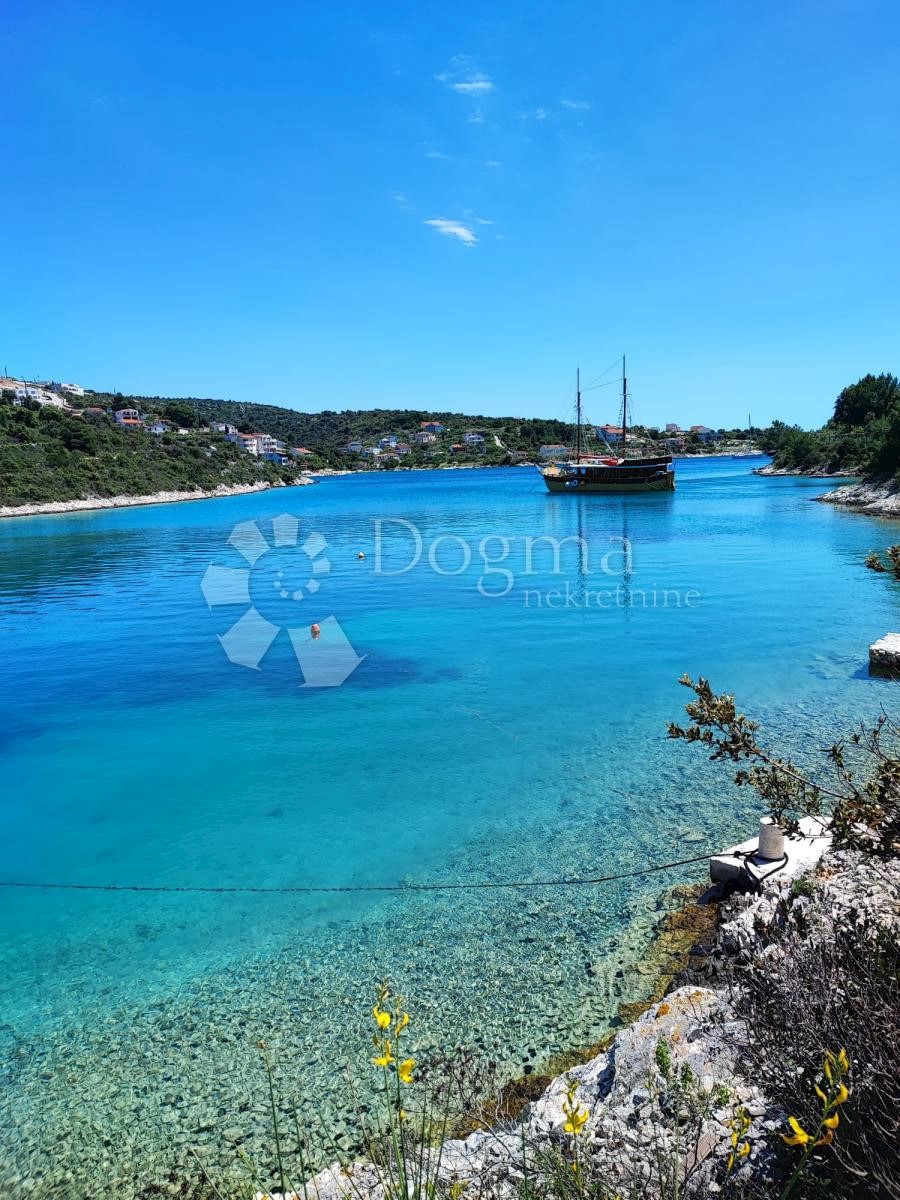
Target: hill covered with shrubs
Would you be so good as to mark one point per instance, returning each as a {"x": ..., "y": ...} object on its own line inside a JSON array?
[
  {"x": 47, "y": 454},
  {"x": 862, "y": 436}
]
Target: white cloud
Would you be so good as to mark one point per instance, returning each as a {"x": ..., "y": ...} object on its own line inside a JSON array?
[
  {"x": 476, "y": 86},
  {"x": 462, "y": 77},
  {"x": 433, "y": 152},
  {"x": 477, "y": 117},
  {"x": 400, "y": 199},
  {"x": 540, "y": 114},
  {"x": 491, "y": 162},
  {"x": 453, "y": 229},
  {"x": 483, "y": 221},
  {"x": 575, "y": 104}
]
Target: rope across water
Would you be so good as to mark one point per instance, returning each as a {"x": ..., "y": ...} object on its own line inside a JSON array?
[{"x": 301, "y": 889}]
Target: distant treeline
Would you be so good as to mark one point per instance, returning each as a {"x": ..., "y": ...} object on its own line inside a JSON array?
[
  {"x": 328, "y": 432},
  {"x": 862, "y": 437}
]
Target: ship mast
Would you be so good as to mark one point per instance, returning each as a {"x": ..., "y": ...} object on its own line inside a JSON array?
[
  {"x": 578, "y": 414},
  {"x": 624, "y": 410}
]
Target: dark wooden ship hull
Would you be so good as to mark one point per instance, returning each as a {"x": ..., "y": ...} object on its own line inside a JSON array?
[{"x": 629, "y": 475}]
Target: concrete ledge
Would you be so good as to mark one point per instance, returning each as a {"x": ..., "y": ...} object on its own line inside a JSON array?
[
  {"x": 884, "y": 655},
  {"x": 803, "y": 852}
]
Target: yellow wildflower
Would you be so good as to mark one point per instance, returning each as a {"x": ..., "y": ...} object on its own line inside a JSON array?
[
  {"x": 383, "y": 1019},
  {"x": 577, "y": 1118},
  {"x": 843, "y": 1060},
  {"x": 405, "y": 1070},
  {"x": 827, "y": 1139},
  {"x": 832, "y": 1122},
  {"x": 385, "y": 1058},
  {"x": 842, "y": 1095},
  {"x": 402, "y": 1021},
  {"x": 800, "y": 1136}
]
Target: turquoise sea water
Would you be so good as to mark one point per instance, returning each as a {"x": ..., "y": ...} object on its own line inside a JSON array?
[{"x": 483, "y": 737}]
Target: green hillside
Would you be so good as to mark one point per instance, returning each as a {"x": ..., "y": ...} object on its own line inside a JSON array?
[
  {"x": 328, "y": 432},
  {"x": 47, "y": 455}
]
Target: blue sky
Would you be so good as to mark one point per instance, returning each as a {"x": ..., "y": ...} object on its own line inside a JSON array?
[{"x": 451, "y": 206}]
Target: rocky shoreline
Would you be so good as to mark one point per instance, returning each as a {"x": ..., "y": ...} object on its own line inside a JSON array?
[
  {"x": 708, "y": 1039},
  {"x": 876, "y": 498},
  {"x": 92, "y": 503},
  {"x": 818, "y": 473}
]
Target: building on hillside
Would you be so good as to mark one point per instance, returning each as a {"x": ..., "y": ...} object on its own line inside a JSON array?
[
  {"x": 673, "y": 427},
  {"x": 424, "y": 438},
  {"x": 403, "y": 448},
  {"x": 222, "y": 427},
  {"x": 71, "y": 389},
  {"x": 432, "y": 427},
  {"x": 128, "y": 416},
  {"x": 354, "y": 447},
  {"x": 276, "y": 456},
  {"x": 369, "y": 452},
  {"x": 458, "y": 448},
  {"x": 25, "y": 392},
  {"x": 553, "y": 450},
  {"x": 704, "y": 434},
  {"x": 609, "y": 433},
  {"x": 246, "y": 441},
  {"x": 388, "y": 442},
  {"x": 302, "y": 452},
  {"x": 159, "y": 427},
  {"x": 473, "y": 438}
]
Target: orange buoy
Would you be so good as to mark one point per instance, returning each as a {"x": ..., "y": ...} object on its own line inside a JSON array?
[{"x": 315, "y": 631}]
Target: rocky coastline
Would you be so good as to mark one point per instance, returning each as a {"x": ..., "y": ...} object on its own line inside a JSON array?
[
  {"x": 875, "y": 497},
  {"x": 709, "y": 1040},
  {"x": 91, "y": 503},
  {"x": 815, "y": 473}
]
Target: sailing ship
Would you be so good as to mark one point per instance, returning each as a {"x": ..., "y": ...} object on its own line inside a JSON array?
[
  {"x": 749, "y": 451},
  {"x": 588, "y": 472}
]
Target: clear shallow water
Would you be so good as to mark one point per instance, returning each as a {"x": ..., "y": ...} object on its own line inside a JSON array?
[{"x": 482, "y": 737}]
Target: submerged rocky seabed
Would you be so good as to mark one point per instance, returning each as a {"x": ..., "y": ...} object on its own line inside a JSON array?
[
  {"x": 636, "y": 1139},
  {"x": 122, "y": 1098},
  {"x": 104, "y": 1100}
]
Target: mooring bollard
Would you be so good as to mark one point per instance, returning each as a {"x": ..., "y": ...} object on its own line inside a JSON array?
[{"x": 771, "y": 840}]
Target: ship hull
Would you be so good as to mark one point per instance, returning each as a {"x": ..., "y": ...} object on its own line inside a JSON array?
[
  {"x": 635, "y": 477},
  {"x": 664, "y": 485}
]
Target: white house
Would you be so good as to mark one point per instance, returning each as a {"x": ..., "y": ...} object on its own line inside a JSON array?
[
  {"x": 553, "y": 450},
  {"x": 354, "y": 447},
  {"x": 159, "y": 427},
  {"x": 276, "y": 456},
  {"x": 71, "y": 389},
  {"x": 472, "y": 438},
  {"x": 127, "y": 416},
  {"x": 388, "y": 442},
  {"x": 246, "y": 441},
  {"x": 222, "y": 427},
  {"x": 424, "y": 438}
]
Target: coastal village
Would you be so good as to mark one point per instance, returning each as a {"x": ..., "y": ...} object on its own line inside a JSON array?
[
  {"x": 429, "y": 442},
  {"x": 60, "y": 395}
]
